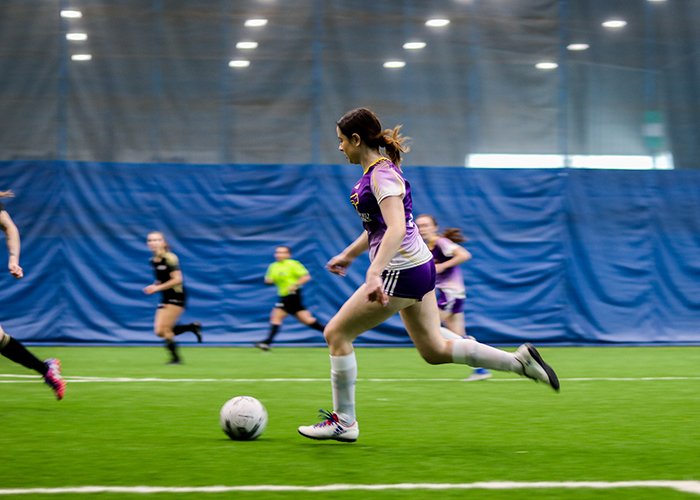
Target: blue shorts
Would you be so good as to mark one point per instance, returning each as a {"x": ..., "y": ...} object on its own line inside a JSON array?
[
  {"x": 449, "y": 301},
  {"x": 411, "y": 283}
]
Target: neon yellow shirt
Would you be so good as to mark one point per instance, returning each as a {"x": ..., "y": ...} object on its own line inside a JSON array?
[{"x": 285, "y": 274}]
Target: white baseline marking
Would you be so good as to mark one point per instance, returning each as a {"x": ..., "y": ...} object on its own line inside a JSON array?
[
  {"x": 683, "y": 486},
  {"x": 32, "y": 378}
]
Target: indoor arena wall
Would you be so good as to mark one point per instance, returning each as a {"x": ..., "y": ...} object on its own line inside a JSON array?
[{"x": 560, "y": 256}]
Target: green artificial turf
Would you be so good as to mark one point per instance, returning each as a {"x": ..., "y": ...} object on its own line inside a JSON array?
[{"x": 413, "y": 429}]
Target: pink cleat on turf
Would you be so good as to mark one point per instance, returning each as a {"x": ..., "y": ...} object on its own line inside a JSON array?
[{"x": 53, "y": 378}]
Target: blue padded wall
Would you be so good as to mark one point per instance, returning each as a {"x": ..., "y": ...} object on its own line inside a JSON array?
[{"x": 560, "y": 256}]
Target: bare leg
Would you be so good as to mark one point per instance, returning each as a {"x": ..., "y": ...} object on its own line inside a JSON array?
[
  {"x": 356, "y": 317},
  {"x": 454, "y": 322},
  {"x": 166, "y": 318}
]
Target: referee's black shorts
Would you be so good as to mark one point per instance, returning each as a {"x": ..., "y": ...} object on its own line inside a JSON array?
[{"x": 291, "y": 304}]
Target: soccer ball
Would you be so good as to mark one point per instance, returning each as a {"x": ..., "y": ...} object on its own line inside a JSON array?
[{"x": 243, "y": 418}]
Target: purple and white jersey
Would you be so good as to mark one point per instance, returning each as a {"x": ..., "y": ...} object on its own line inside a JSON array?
[
  {"x": 451, "y": 278},
  {"x": 381, "y": 180}
]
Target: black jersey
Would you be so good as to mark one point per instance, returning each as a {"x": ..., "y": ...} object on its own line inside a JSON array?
[{"x": 162, "y": 267}]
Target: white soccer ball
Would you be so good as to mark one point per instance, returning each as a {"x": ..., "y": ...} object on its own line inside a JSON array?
[{"x": 243, "y": 418}]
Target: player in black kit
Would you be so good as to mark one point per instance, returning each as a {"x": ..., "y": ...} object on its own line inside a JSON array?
[
  {"x": 169, "y": 282},
  {"x": 10, "y": 347}
]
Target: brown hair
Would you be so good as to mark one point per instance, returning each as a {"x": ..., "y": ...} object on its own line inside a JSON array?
[
  {"x": 6, "y": 194},
  {"x": 454, "y": 234},
  {"x": 364, "y": 123},
  {"x": 451, "y": 233}
]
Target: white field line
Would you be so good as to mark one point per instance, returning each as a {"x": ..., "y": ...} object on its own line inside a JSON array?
[
  {"x": 683, "y": 486},
  {"x": 14, "y": 379}
]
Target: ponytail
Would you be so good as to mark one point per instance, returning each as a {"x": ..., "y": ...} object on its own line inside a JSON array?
[
  {"x": 364, "y": 123},
  {"x": 393, "y": 143},
  {"x": 453, "y": 234}
]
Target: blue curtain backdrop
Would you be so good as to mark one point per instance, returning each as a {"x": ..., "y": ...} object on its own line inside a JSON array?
[{"x": 560, "y": 256}]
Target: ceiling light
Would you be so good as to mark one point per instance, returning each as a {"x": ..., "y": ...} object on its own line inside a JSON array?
[
  {"x": 81, "y": 57},
  {"x": 615, "y": 23},
  {"x": 256, "y": 22},
  {"x": 546, "y": 65},
  {"x": 414, "y": 45},
  {"x": 76, "y": 36},
  {"x": 577, "y": 46},
  {"x": 437, "y": 22},
  {"x": 247, "y": 45},
  {"x": 239, "y": 63},
  {"x": 394, "y": 64},
  {"x": 71, "y": 13}
]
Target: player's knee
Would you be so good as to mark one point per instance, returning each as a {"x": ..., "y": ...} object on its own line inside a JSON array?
[
  {"x": 331, "y": 335},
  {"x": 432, "y": 360},
  {"x": 328, "y": 335},
  {"x": 433, "y": 356},
  {"x": 161, "y": 331}
]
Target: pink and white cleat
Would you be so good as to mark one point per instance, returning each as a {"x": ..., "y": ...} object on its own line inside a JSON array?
[
  {"x": 53, "y": 378},
  {"x": 331, "y": 428}
]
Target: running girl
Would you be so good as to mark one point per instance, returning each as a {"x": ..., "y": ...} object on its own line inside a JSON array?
[
  {"x": 401, "y": 278},
  {"x": 169, "y": 282}
]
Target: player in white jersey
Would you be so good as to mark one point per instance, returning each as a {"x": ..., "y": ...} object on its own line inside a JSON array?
[{"x": 400, "y": 279}]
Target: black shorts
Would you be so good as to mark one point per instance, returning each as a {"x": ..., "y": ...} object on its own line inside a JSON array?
[
  {"x": 291, "y": 304},
  {"x": 172, "y": 297}
]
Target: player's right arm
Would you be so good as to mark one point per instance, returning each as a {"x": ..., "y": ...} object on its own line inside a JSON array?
[
  {"x": 13, "y": 244},
  {"x": 268, "y": 276},
  {"x": 339, "y": 263}
]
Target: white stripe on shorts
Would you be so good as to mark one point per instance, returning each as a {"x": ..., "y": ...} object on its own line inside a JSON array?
[{"x": 392, "y": 277}]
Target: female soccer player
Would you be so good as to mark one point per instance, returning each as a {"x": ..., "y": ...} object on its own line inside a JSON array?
[
  {"x": 449, "y": 283},
  {"x": 169, "y": 282},
  {"x": 401, "y": 278},
  {"x": 10, "y": 347},
  {"x": 289, "y": 276}
]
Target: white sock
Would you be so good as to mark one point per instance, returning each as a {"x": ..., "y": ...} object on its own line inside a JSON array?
[
  {"x": 449, "y": 334},
  {"x": 343, "y": 377},
  {"x": 472, "y": 353}
]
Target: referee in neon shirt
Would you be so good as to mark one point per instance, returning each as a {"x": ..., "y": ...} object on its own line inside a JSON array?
[{"x": 289, "y": 276}]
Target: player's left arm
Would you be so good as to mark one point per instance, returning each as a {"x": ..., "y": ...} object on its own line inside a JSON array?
[
  {"x": 301, "y": 281},
  {"x": 13, "y": 244},
  {"x": 459, "y": 256},
  {"x": 175, "y": 280},
  {"x": 301, "y": 275},
  {"x": 175, "y": 275},
  {"x": 394, "y": 216}
]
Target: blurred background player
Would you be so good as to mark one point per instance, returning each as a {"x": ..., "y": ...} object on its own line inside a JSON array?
[
  {"x": 449, "y": 282},
  {"x": 10, "y": 347},
  {"x": 170, "y": 283},
  {"x": 289, "y": 276}
]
